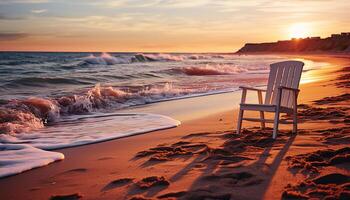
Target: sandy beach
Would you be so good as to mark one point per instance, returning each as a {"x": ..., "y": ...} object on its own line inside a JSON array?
[{"x": 204, "y": 159}]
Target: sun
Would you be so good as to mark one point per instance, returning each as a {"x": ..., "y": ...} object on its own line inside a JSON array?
[{"x": 299, "y": 30}]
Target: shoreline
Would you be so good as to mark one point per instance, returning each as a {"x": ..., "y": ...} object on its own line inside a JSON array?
[{"x": 100, "y": 163}]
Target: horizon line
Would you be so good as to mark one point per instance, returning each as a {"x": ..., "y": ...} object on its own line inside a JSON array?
[{"x": 188, "y": 52}]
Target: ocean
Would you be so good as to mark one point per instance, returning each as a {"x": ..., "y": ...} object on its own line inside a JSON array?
[{"x": 56, "y": 100}]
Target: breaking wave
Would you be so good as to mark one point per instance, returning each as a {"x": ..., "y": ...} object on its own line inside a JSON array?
[
  {"x": 164, "y": 57},
  {"x": 18, "y": 116},
  {"x": 107, "y": 59},
  {"x": 212, "y": 70}
]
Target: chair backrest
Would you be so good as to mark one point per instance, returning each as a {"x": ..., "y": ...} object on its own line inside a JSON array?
[{"x": 286, "y": 74}]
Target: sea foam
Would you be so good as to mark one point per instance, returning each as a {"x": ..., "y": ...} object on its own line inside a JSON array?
[
  {"x": 24, "y": 151},
  {"x": 17, "y": 158}
]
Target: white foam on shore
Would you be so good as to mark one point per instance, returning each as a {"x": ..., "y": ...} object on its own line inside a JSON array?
[
  {"x": 21, "y": 152},
  {"x": 17, "y": 158}
]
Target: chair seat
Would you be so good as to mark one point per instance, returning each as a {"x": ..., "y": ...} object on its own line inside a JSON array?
[{"x": 265, "y": 108}]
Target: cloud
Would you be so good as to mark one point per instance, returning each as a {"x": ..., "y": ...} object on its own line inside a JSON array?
[
  {"x": 39, "y": 11},
  {"x": 12, "y": 36},
  {"x": 5, "y": 17},
  {"x": 183, "y": 3},
  {"x": 22, "y": 1},
  {"x": 150, "y": 3}
]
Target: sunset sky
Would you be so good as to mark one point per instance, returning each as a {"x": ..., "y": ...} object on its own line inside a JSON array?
[{"x": 163, "y": 25}]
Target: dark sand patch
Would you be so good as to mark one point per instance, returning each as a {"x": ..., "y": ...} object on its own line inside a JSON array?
[
  {"x": 105, "y": 158},
  {"x": 330, "y": 186},
  {"x": 343, "y": 84},
  {"x": 117, "y": 183},
  {"x": 172, "y": 195},
  {"x": 150, "y": 186},
  {"x": 199, "y": 194},
  {"x": 334, "y": 99},
  {"x": 67, "y": 197},
  {"x": 345, "y": 69},
  {"x": 77, "y": 170},
  {"x": 344, "y": 78},
  {"x": 310, "y": 113},
  {"x": 254, "y": 140},
  {"x": 152, "y": 181},
  {"x": 312, "y": 161},
  {"x": 223, "y": 156},
  {"x": 335, "y": 136},
  {"x": 343, "y": 81}
]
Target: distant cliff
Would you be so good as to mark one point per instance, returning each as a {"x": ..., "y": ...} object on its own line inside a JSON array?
[{"x": 335, "y": 43}]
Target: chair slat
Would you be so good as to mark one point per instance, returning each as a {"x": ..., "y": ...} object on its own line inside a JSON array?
[
  {"x": 297, "y": 76},
  {"x": 270, "y": 83},
  {"x": 280, "y": 70},
  {"x": 295, "y": 83},
  {"x": 288, "y": 94}
]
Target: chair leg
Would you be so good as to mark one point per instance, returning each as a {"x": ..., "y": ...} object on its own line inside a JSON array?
[
  {"x": 295, "y": 122},
  {"x": 262, "y": 118},
  {"x": 275, "y": 125},
  {"x": 239, "y": 122}
]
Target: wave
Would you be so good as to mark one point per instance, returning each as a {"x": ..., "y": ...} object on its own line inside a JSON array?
[
  {"x": 16, "y": 121},
  {"x": 211, "y": 70},
  {"x": 105, "y": 59},
  {"x": 164, "y": 57},
  {"x": 156, "y": 58},
  {"x": 18, "y": 116}
]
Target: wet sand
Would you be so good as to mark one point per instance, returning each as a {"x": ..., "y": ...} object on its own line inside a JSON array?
[{"x": 203, "y": 158}]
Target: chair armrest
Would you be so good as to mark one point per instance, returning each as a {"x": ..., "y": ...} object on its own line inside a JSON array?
[
  {"x": 251, "y": 88},
  {"x": 288, "y": 88}
]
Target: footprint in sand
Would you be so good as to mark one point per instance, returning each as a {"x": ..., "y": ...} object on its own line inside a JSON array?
[
  {"x": 334, "y": 99},
  {"x": 152, "y": 181},
  {"x": 117, "y": 183},
  {"x": 335, "y": 136},
  {"x": 330, "y": 186},
  {"x": 311, "y": 162}
]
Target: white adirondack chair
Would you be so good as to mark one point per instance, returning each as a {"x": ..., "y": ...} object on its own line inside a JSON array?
[{"x": 281, "y": 96}]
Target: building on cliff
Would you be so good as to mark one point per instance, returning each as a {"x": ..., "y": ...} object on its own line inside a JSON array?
[{"x": 334, "y": 43}]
